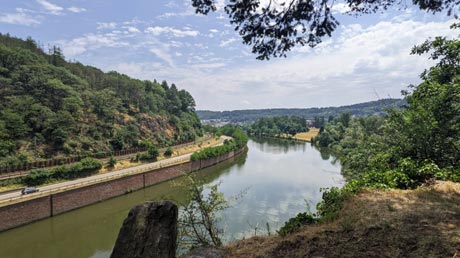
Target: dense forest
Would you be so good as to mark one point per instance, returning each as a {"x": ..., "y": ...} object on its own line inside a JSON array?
[
  {"x": 378, "y": 107},
  {"x": 273, "y": 126},
  {"x": 49, "y": 107}
]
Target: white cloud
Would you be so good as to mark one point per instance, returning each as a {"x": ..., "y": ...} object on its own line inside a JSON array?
[
  {"x": 340, "y": 8},
  {"x": 131, "y": 29},
  {"x": 163, "y": 55},
  {"x": 106, "y": 25},
  {"x": 225, "y": 43},
  {"x": 20, "y": 17},
  {"x": 76, "y": 9},
  {"x": 209, "y": 65},
  {"x": 90, "y": 41},
  {"x": 156, "y": 31},
  {"x": 50, "y": 7},
  {"x": 350, "y": 69}
]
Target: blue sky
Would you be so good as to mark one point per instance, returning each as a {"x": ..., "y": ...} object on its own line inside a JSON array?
[{"x": 367, "y": 58}]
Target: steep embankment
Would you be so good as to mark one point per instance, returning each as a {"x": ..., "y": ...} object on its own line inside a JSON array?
[
  {"x": 51, "y": 107},
  {"x": 396, "y": 223}
]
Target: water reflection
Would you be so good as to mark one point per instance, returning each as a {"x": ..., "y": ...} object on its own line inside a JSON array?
[
  {"x": 278, "y": 146},
  {"x": 279, "y": 175}
]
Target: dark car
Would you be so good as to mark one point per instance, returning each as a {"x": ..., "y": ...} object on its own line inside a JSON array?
[{"x": 29, "y": 190}]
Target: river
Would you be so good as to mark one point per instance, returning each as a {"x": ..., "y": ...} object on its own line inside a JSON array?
[{"x": 277, "y": 179}]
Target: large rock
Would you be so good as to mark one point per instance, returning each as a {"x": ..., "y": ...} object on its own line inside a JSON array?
[{"x": 149, "y": 231}]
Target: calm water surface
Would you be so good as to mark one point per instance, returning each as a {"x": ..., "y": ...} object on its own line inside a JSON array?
[{"x": 277, "y": 176}]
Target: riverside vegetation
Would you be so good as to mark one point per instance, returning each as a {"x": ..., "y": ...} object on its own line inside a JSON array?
[
  {"x": 239, "y": 140},
  {"x": 50, "y": 107},
  {"x": 406, "y": 148}
]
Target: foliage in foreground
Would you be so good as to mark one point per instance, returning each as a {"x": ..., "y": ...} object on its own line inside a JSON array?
[
  {"x": 239, "y": 140},
  {"x": 198, "y": 220}
]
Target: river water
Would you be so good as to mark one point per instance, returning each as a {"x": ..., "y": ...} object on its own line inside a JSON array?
[{"x": 277, "y": 178}]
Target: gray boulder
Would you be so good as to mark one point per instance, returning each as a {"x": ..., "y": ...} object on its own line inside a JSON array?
[{"x": 149, "y": 231}]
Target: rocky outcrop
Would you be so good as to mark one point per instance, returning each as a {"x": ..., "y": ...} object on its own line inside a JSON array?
[
  {"x": 149, "y": 231},
  {"x": 207, "y": 252}
]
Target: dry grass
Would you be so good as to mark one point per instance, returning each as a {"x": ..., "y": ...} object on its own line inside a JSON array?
[
  {"x": 307, "y": 136},
  {"x": 412, "y": 223},
  {"x": 303, "y": 136}
]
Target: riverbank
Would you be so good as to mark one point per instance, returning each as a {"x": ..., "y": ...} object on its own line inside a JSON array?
[
  {"x": 302, "y": 136},
  {"x": 375, "y": 223},
  {"x": 18, "y": 211}
]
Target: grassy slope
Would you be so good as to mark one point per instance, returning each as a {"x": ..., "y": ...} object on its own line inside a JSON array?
[{"x": 375, "y": 223}]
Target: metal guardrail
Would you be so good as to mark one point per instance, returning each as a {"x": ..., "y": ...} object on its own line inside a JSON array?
[{"x": 91, "y": 182}]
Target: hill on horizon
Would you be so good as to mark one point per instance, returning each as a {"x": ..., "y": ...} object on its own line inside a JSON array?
[{"x": 377, "y": 107}]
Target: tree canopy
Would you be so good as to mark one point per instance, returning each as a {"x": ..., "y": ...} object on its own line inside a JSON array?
[{"x": 275, "y": 27}]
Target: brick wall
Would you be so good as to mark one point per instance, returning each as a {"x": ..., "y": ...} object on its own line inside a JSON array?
[
  {"x": 24, "y": 212},
  {"x": 167, "y": 173},
  {"x": 80, "y": 197},
  {"x": 196, "y": 165}
]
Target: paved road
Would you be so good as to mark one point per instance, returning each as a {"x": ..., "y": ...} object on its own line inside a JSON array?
[{"x": 13, "y": 196}]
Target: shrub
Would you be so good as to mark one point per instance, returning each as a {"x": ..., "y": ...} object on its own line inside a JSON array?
[
  {"x": 333, "y": 199},
  {"x": 168, "y": 152},
  {"x": 112, "y": 162},
  {"x": 37, "y": 177},
  {"x": 85, "y": 167},
  {"x": 153, "y": 152},
  {"x": 293, "y": 224}
]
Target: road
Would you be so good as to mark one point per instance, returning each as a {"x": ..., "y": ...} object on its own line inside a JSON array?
[{"x": 16, "y": 195}]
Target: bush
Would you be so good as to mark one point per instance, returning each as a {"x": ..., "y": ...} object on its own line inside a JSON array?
[
  {"x": 334, "y": 198},
  {"x": 37, "y": 177},
  {"x": 168, "y": 152},
  {"x": 151, "y": 154},
  {"x": 293, "y": 224},
  {"x": 85, "y": 167},
  {"x": 112, "y": 162}
]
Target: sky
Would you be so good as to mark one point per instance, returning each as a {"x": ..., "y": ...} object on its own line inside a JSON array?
[{"x": 367, "y": 57}]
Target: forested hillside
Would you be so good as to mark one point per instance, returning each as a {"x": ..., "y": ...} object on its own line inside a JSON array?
[
  {"x": 250, "y": 115},
  {"x": 49, "y": 106}
]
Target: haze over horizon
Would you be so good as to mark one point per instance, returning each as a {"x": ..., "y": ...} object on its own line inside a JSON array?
[{"x": 366, "y": 59}]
